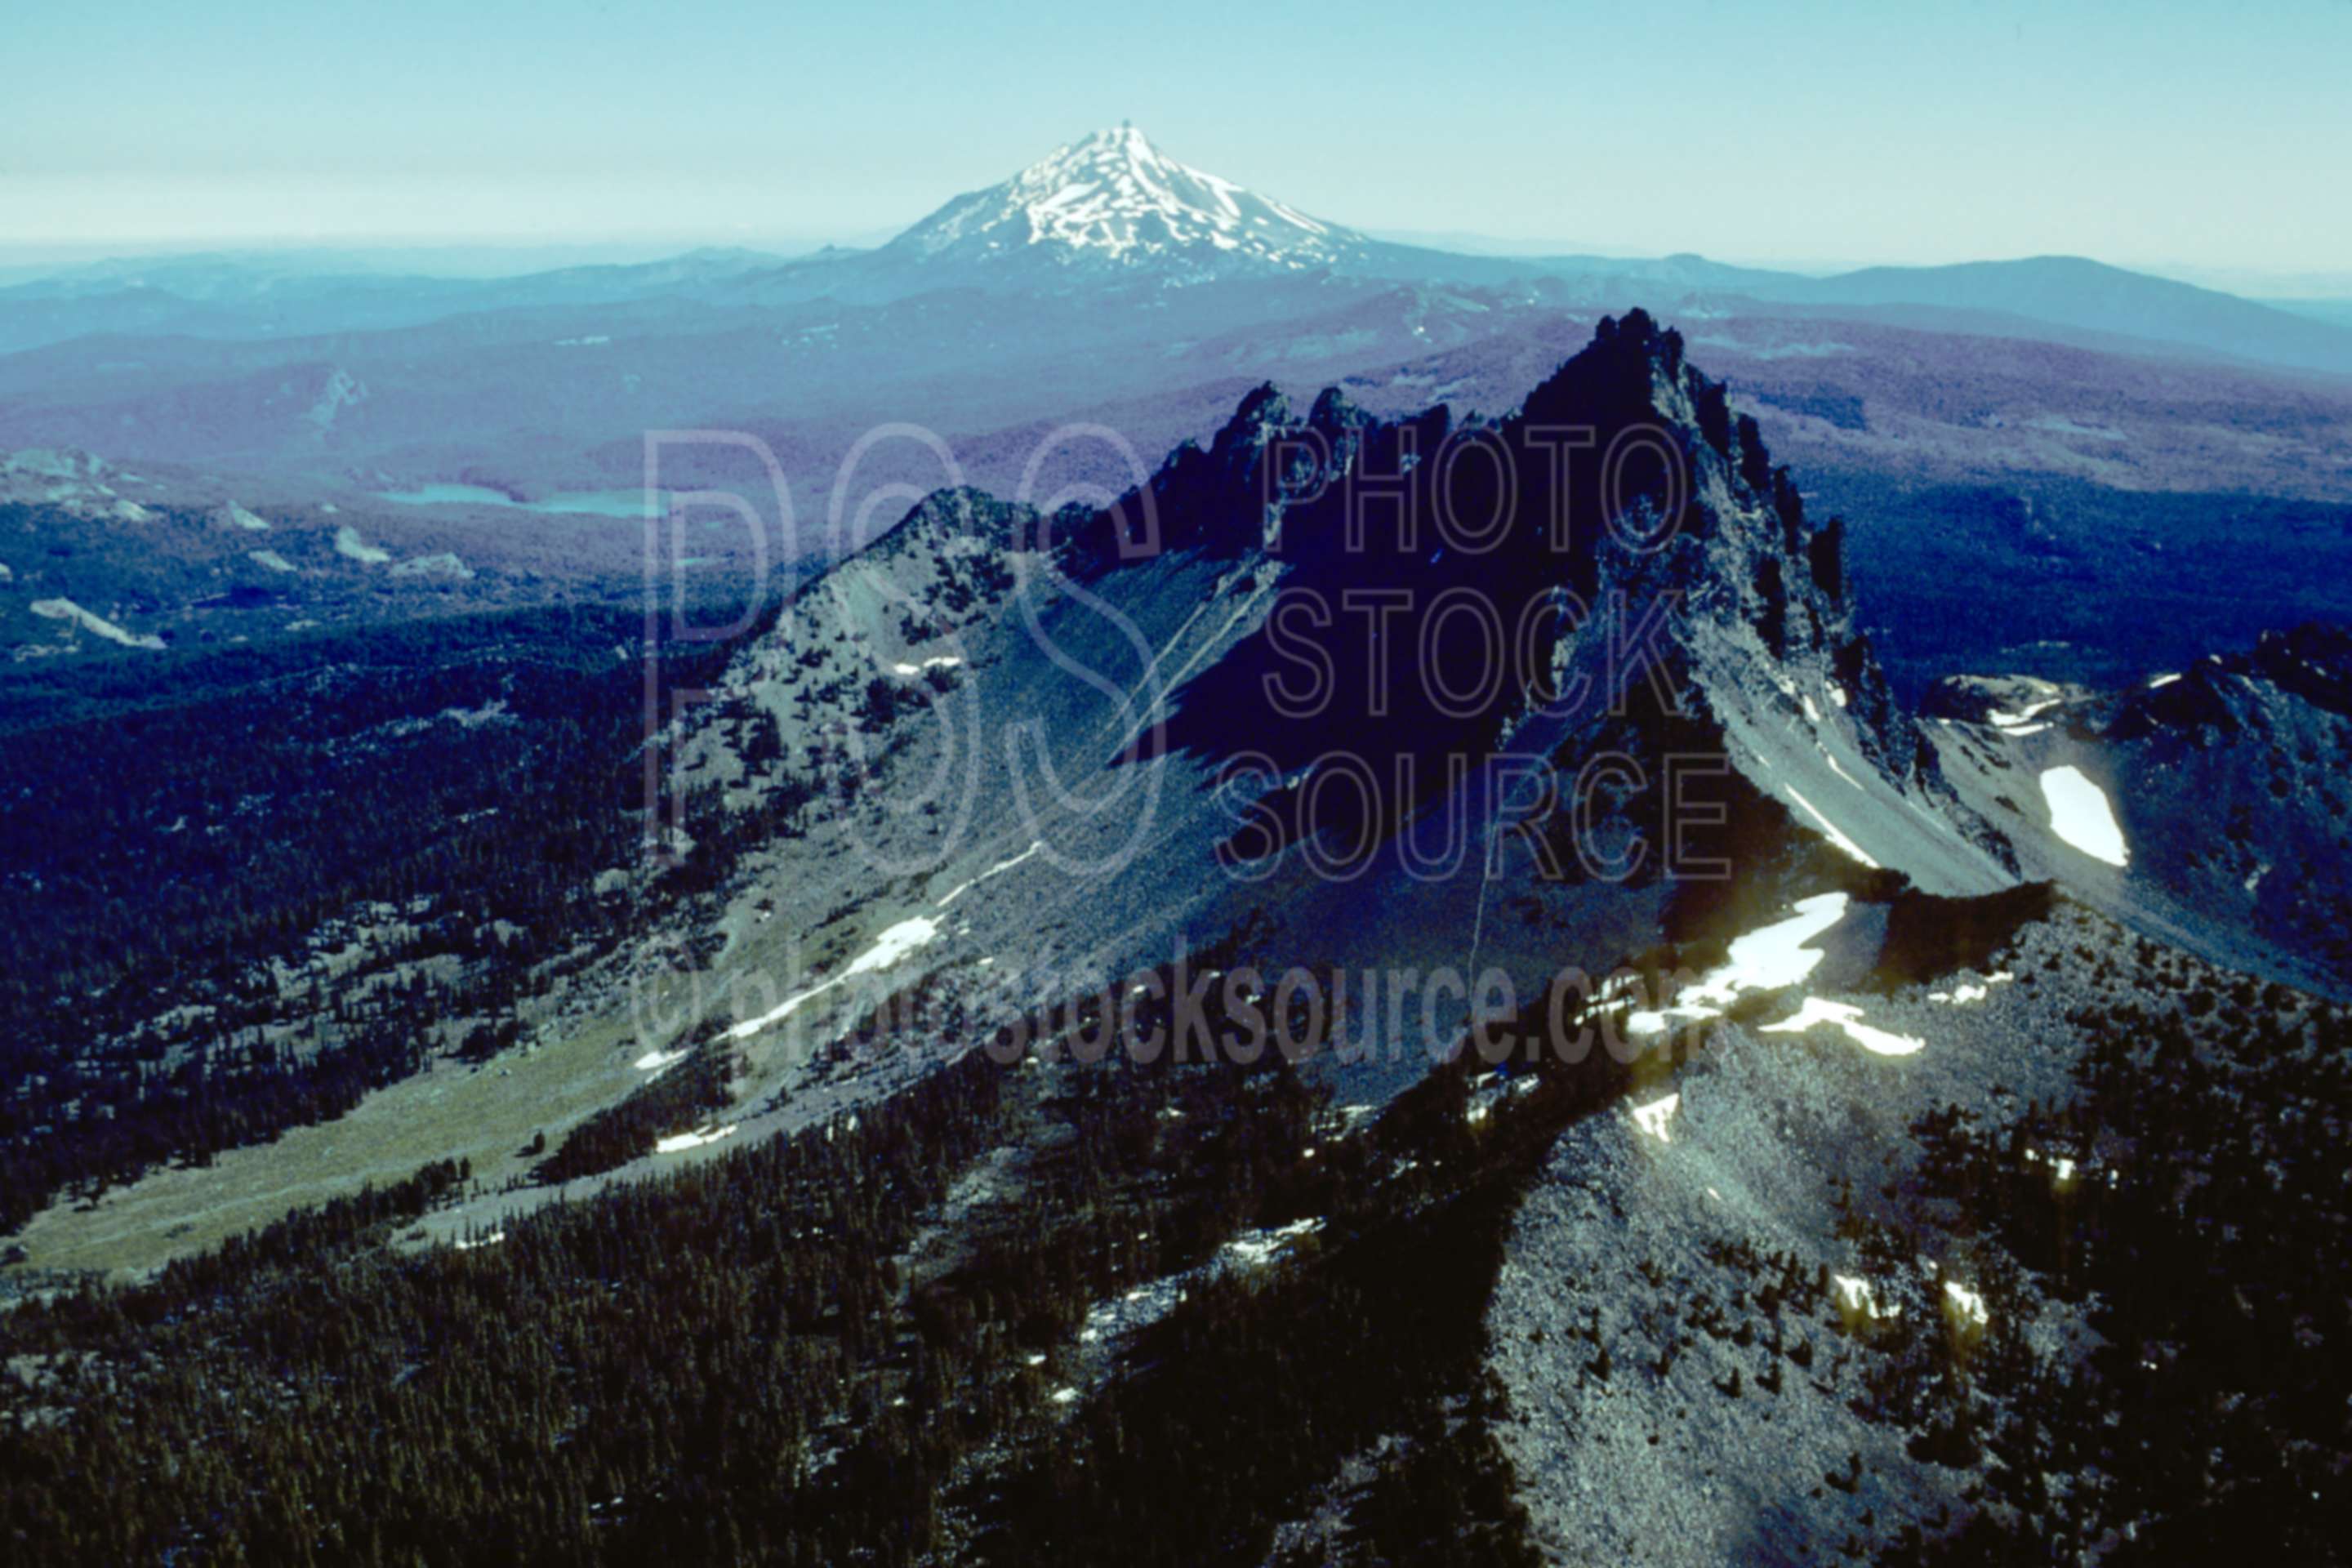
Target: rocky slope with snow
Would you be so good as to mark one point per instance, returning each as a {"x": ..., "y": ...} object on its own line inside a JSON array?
[
  {"x": 1112, "y": 201},
  {"x": 1951, "y": 1285},
  {"x": 1119, "y": 690},
  {"x": 2205, "y": 806}
]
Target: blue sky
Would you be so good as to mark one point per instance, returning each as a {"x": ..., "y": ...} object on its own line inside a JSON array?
[{"x": 2178, "y": 135}]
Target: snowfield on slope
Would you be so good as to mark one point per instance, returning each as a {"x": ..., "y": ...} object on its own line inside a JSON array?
[
  {"x": 1766, "y": 959},
  {"x": 2079, "y": 814},
  {"x": 89, "y": 621}
]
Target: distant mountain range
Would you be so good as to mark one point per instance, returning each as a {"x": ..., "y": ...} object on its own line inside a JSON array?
[
  {"x": 2067, "y": 290},
  {"x": 2062, "y": 422},
  {"x": 1113, "y": 211}
]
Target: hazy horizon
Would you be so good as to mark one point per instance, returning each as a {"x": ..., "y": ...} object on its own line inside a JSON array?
[
  {"x": 1994, "y": 131},
  {"x": 460, "y": 256}
]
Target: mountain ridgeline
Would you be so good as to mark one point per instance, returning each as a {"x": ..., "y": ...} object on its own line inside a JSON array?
[{"x": 1614, "y": 570}]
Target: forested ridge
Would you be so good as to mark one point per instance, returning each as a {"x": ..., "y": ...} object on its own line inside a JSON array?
[
  {"x": 826, "y": 1348},
  {"x": 234, "y": 878},
  {"x": 885, "y": 1339},
  {"x": 2189, "y": 1201}
]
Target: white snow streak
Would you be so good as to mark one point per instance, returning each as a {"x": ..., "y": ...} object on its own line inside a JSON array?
[
  {"x": 1969, "y": 991},
  {"x": 679, "y": 1143},
  {"x": 92, "y": 622},
  {"x": 999, "y": 868},
  {"x": 348, "y": 542},
  {"x": 1855, "y": 1295},
  {"x": 1967, "y": 1305},
  {"x": 1846, "y": 1016},
  {"x": 888, "y": 948},
  {"x": 1830, "y": 831}
]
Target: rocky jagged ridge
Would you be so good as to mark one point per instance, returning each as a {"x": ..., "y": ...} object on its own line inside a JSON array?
[
  {"x": 2237, "y": 777},
  {"x": 1624, "y": 504},
  {"x": 1622, "y": 531},
  {"x": 2229, "y": 693},
  {"x": 856, "y": 652}
]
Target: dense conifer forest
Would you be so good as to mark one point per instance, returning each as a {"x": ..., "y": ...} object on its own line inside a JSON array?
[
  {"x": 825, "y": 1348},
  {"x": 293, "y": 820}
]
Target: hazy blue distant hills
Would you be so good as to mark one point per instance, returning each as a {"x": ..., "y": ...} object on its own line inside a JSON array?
[
  {"x": 296, "y": 294},
  {"x": 2338, "y": 312},
  {"x": 2070, "y": 292},
  {"x": 1113, "y": 215},
  {"x": 1109, "y": 282}
]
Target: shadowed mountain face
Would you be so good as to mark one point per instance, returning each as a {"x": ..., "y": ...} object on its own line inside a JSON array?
[
  {"x": 1616, "y": 569},
  {"x": 1350, "y": 682}
]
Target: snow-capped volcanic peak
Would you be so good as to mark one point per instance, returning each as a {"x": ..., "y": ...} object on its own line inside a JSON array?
[{"x": 1113, "y": 197}]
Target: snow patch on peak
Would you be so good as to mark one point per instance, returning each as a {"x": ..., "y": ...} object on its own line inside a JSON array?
[
  {"x": 1765, "y": 959},
  {"x": 1652, "y": 1118},
  {"x": 1113, "y": 197}
]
